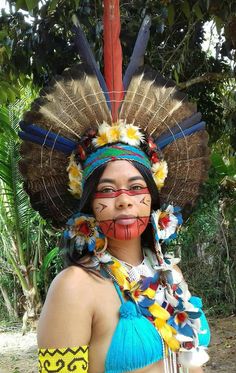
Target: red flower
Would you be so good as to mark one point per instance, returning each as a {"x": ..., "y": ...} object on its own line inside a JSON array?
[
  {"x": 151, "y": 143},
  {"x": 164, "y": 221},
  {"x": 188, "y": 345},
  {"x": 181, "y": 317},
  {"x": 84, "y": 228},
  {"x": 81, "y": 152},
  {"x": 154, "y": 158},
  {"x": 137, "y": 293}
]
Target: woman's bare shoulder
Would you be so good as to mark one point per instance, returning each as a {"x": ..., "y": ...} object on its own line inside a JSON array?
[{"x": 67, "y": 314}]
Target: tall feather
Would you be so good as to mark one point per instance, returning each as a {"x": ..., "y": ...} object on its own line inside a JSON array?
[
  {"x": 113, "y": 54},
  {"x": 136, "y": 59},
  {"x": 87, "y": 57}
]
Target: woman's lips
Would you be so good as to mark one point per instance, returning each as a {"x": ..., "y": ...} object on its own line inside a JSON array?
[{"x": 125, "y": 220}]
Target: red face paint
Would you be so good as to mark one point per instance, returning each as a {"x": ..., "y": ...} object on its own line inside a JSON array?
[
  {"x": 124, "y": 228},
  {"x": 120, "y": 191},
  {"x": 122, "y": 203}
]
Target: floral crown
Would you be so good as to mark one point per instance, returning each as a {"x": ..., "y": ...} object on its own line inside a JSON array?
[{"x": 119, "y": 132}]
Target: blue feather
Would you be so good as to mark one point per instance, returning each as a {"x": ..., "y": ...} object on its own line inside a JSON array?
[
  {"x": 40, "y": 132},
  {"x": 87, "y": 57},
  {"x": 146, "y": 302},
  {"x": 138, "y": 52},
  {"x": 48, "y": 143},
  {"x": 37, "y": 135},
  {"x": 167, "y": 139}
]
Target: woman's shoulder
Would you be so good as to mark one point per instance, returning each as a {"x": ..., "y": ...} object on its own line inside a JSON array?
[
  {"x": 67, "y": 314},
  {"x": 74, "y": 282}
]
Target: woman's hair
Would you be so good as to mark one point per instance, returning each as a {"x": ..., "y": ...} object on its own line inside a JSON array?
[{"x": 71, "y": 255}]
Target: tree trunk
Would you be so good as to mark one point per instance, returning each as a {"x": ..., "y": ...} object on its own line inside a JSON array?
[{"x": 11, "y": 311}]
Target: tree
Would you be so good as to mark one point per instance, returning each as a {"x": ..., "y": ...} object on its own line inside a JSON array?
[{"x": 34, "y": 49}]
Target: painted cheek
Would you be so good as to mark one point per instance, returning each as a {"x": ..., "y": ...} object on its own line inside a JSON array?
[{"x": 124, "y": 232}]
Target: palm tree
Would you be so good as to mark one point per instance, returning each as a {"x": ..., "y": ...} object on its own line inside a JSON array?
[{"x": 22, "y": 240}]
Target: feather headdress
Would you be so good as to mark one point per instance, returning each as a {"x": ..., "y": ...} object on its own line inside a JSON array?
[{"x": 80, "y": 105}]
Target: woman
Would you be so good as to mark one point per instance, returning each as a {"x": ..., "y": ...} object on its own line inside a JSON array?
[
  {"x": 121, "y": 305},
  {"x": 87, "y": 307}
]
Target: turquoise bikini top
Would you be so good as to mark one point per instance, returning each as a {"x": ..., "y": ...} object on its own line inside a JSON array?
[{"x": 135, "y": 343}]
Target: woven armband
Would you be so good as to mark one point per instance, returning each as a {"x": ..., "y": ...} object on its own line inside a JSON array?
[{"x": 63, "y": 360}]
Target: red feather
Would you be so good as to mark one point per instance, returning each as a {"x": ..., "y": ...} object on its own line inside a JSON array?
[{"x": 113, "y": 54}]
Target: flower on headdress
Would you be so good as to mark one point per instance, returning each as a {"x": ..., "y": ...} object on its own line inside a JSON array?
[
  {"x": 131, "y": 135},
  {"x": 102, "y": 138},
  {"x": 159, "y": 171},
  {"x": 83, "y": 229},
  {"x": 75, "y": 177},
  {"x": 114, "y": 133},
  {"x": 165, "y": 222}
]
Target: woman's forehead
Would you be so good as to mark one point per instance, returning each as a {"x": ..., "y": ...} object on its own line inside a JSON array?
[{"x": 120, "y": 169}]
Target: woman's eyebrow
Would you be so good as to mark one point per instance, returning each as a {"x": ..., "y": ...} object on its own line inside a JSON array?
[{"x": 113, "y": 181}]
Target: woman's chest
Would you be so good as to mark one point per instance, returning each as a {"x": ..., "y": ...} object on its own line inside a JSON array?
[{"x": 106, "y": 338}]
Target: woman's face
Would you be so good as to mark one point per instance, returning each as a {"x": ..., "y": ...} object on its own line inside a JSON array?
[{"x": 122, "y": 202}]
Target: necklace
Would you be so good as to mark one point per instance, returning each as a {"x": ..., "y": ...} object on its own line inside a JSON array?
[{"x": 143, "y": 269}]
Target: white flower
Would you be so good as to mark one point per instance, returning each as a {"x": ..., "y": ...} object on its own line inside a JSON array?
[
  {"x": 166, "y": 222},
  {"x": 102, "y": 138},
  {"x": 131, "y": 135}
]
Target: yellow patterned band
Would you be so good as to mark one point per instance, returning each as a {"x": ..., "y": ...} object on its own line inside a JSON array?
[{"x": 63, "y": 360}]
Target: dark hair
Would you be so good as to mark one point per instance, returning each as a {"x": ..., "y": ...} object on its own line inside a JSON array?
[{"x": 90, "y": 187}]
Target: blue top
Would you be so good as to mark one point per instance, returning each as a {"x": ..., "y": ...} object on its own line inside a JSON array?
[{"x": 136, "y": 343}]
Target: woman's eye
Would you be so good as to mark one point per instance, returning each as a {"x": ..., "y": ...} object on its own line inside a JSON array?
[
  {"x": 106, "y": 190},
  {"x": 136, "y": 187}
]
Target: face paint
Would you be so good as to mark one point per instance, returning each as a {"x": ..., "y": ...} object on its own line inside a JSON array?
[
  {"x": 124, "y": 228},
  {"x": 122, "y": 203},
  {"x": 118, "y": 192}
]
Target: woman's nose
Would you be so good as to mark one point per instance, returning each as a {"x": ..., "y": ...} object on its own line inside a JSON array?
[{"x": 123, "y": 201}]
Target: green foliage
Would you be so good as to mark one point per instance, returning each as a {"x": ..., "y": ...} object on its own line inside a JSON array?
[{"x": 25, "y": 237}]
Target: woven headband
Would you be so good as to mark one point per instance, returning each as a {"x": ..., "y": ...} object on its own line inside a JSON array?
[{"x": 111, "y": 153}]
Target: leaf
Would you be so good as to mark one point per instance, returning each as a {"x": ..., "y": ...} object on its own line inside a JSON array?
[
  {"x": 186, "y": 9},
  {"x": 219, "y": 163},
  {"x": 48, "y": 259},
  {"x": 176, "y": 76},
  {"x": 21, "y": 4},
  {"x": 3, "y": 96},
  {"x": 171, "y": 14},
  {"x": 31, "y": 4},
  {"x": 11, "y": 95},
  {"x": 197, "y": 10},
  {"x": 219, "y": 24},
  {"x": 53, "y": 4}
]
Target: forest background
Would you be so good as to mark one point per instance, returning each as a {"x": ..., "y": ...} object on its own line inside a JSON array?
[{"x": 36, "y": 43}]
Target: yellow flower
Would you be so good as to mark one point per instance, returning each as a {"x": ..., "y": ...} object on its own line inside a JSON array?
[
  {"x": 114, "y": 134},
  {"x": 75, "y": 188},
  {"x": 74, "y": 171},
  {"x": 160, "y": 171}
]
